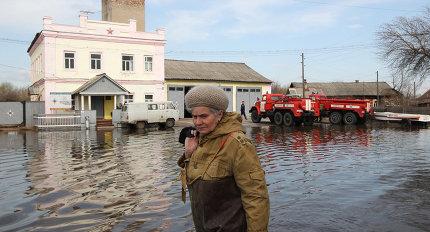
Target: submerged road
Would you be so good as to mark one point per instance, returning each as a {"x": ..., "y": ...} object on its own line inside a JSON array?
[{"x": 321, "y": 178}]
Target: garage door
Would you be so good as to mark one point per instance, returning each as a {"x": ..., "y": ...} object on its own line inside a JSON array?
[
  {"x": 229, "y": 91},
  {"x": 176, "y": 95},
  {"x": 248, "y": 95}
]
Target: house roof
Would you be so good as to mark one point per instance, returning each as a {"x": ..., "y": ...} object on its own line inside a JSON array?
[
  {"x": 211, "y": 71},
  {"x": 87, "y": 85},
  {"x": 34, "y": 41},
  {"x": 425, "y": 98},
  {"x": 347, "y": 88}
]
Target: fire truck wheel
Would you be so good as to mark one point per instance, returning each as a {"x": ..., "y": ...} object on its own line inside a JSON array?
[
  {"x": 288, "y": 119},
  {"x": 254, "y": 116},
  {"x": 349, "y": 118},
  {"x": 335, "y": 117},
  {"x": 278, "y": 118},
  {"x": 272, "y": 119}
]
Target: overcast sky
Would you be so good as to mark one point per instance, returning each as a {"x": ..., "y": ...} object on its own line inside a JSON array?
[{"x": 336, "y": 37}]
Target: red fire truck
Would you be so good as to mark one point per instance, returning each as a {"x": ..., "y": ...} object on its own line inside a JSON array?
[
  {"x": 346, "y": 111},
  {"x": 282, "y": 109}
]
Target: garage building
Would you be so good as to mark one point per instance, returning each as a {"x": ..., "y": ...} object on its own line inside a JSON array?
[{"x": 238, "y": 80}]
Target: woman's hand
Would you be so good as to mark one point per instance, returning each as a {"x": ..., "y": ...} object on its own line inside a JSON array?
[{"x": 191, "y": 145}]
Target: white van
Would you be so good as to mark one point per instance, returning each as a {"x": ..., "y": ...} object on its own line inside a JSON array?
[{"x": 140, "y": 114}]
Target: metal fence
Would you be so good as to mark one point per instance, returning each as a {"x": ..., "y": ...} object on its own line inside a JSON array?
[{"x": 57, "y": 120}]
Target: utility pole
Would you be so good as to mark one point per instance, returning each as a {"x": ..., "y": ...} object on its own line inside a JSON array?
[
  {"x": 303, "y": 74},
  {"x": 377, "y": 87}
]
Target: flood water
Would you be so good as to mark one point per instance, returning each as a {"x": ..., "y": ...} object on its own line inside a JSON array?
[{"x": 321, "y": 178}]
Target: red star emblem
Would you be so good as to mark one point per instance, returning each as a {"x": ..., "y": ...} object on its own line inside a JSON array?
[{"x": 109, "y": 31}]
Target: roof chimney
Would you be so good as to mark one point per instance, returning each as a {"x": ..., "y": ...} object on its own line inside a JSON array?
[{"x": 121, "y": 11}]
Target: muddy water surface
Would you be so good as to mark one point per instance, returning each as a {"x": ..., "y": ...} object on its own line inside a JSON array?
[{"x": 321, "y": 178}]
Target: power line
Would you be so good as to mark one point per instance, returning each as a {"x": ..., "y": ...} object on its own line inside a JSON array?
[
  {"x": 7, "y": 40},
  {"x": 323, "y": 50},
  {"x": 14, "y": 67}
]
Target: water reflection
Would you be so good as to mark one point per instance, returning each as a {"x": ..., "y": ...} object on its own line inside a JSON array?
[{"x": 321, "y": 178}]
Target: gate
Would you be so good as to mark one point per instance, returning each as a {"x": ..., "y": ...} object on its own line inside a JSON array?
[{"x": 11, "y": 113}]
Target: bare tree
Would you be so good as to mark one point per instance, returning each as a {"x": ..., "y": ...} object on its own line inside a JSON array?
[
  {"x": 405, "y": 45},
  {"x": 8, "y": 93},
  {"x": 279, "y": 88}
]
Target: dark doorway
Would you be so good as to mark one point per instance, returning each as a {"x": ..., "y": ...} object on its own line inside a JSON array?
[
  {"x": 97, "y": 104},
  {"x": 186, "y": 113}
]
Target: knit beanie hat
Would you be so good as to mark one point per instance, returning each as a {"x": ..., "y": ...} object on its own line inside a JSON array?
[{"x": 206, "y": 95}]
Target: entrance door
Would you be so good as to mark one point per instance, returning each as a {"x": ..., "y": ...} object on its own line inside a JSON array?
[
  {"x": 249, "y": 96},
  {"x": 108, "y": 107},
  {"x": 97, "y": 104}
]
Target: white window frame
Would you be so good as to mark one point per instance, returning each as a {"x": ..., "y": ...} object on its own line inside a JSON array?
[
  {"x": 98, "y": 65},
  {"x": 148, "y": 64},
  {"x": 129, "y": 62},
  {"x": 67, "y": 60},
  {"x": 128, "y": 98}
]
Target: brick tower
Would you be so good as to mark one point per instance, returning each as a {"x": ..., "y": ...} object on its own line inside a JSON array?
[{"x": 121, "y": 11}]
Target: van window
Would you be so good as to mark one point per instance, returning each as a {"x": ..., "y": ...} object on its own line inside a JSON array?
[
  {"x": 161, "y": 106},
  {"x": 149, "y": 98},
  {"x": 152, "y": 107}
]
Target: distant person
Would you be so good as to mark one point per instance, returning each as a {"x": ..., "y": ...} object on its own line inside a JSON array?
[
  {"x": 242, "y": 110},
  {"x": 221, "y": 169}
]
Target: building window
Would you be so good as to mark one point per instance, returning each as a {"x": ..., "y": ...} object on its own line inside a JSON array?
[
  {"x": 69, "y": 60},
  {"x": 128, "y": 98},
  {"x": 148, "y": 98},
  {"x": 148, "y": 63},
  {"x": 127, "y": 63},
  {"x": 96, "y": 61}
]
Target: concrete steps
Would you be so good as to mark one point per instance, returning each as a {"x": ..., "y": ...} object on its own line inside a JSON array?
[{"x": 104, "y": 123}]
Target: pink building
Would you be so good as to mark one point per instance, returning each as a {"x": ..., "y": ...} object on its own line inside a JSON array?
[{"x": 96, "y": 65}]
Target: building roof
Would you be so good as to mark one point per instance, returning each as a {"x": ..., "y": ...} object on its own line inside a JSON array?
[
  {"x": 347, "y": 88},
  {"x": 425, "y": 98},
  {"x": 211, "y": 71},
  {"x": 33, "y": 41},
  {"x": 92, "y": 82},
  {"x": 93, "y": 30}
]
